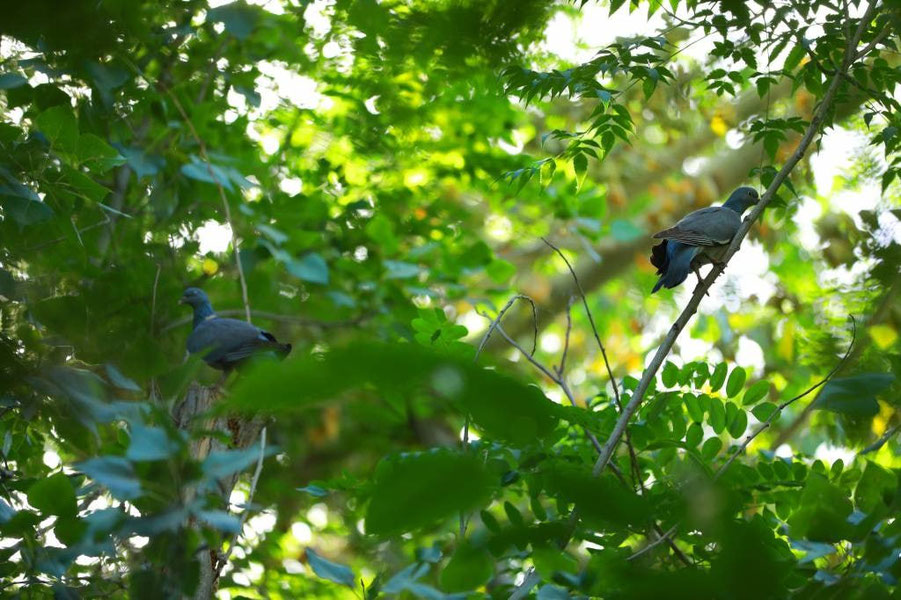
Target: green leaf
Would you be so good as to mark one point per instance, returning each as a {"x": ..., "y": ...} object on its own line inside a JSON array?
[
  {"x": 718, "y": 377},
  {"x": 96, "y": 154},
  {"x": 552, "y": 592},
  {"x": 580, "y": 164},
  {"x": 115, "y": 473},
  {"x": 10, "y": 81},
  {"x": 736, "y": 382},
  {"x": 329, "y": 570},
  {"x": 239, "y": 18},
  {"x": 226, "y": 462},
  {"x": 396, "y": 269},
  {"x": 717, "y": 418},
  {"x": 762, "y": 412},
  {"x": 149, "y": 444},
  {"x": 24, "y": 211},
  {"x": 823, "y": 512},
  {"x": 755, "y": 393},
  {"x": 470, "y": 567},
  {"x": 711, "y": 448},
  {"x": 500, "y": 271},
  {"x": 794, "y": 58},
  {"x": 220, "y": 519},
  {"x": 200, "y": 170},
  {"x": 693, "y": 406},
  {"x": 7, "y": 512},
  {"x": 694, "y": 435},
  {"x": 414, "y": 490},
  {"x": 624, "y": 230},
  {"x": 119, "y": 380},
  {"x": 670, "y": 374},
  {"x": 489, "y": 521},
  {"x": 738, "y": 425},
  {"x": 53, "y": 496},
  {"x": 551, "y": 561},
  {"x": 500, "y": 405},
  {"x": 855, "y": 395},
  {"x": 877, "y": 489},
  {"x": 575, "y": 484},
  {"x": 79, "y": 186},
  {"x": 59, "y": 126},
  {"x": 314, "y": 490},
  {"x": 310, "y": 267}
]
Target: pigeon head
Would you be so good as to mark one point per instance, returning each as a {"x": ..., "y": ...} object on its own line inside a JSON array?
[
  {"x": 742, "y": 198},
  {"x": 194, "y": 297}
]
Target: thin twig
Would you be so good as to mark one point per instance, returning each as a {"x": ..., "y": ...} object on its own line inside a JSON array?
[
  {"x": 496, "y": 322},
  {"x": 225, "y": 206},
  {"x": 156, "y": 281},
  {"x": 633, "y": 458},
  {"x": 882, "y": 440},
  {"x": 781, "y": 407},
  {"x": 872, "y": 44},
  {"x": 560, "y": 380},
  {"x": 223, "y": 560},
  {"x": 594, "y": 329}
]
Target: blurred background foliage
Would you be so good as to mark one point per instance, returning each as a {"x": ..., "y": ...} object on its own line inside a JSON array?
[{"x": 387, "y": 170}]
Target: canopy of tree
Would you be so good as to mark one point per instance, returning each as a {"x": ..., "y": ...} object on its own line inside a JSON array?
[{"x": 446, "y": 207}]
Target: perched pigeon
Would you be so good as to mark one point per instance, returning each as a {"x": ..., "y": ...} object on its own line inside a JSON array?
[
  {"x": 699, "y": 238},
  {"x": 225, "y": 343}
]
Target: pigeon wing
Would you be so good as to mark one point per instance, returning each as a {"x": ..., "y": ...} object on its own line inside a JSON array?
[
  {"x": 226, "y": 341},
  {"x": 712, "y": 226}
]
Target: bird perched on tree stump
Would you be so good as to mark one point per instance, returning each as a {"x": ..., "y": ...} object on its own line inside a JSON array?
[{"x": 225, "y": 343}]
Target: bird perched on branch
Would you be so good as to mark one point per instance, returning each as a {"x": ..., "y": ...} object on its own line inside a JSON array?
[
  {"x": 701, "y": 237},
  {"x": 225, "y": 343}
]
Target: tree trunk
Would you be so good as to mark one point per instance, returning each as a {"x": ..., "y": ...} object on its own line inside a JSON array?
[{"x": 194, "y": 413}]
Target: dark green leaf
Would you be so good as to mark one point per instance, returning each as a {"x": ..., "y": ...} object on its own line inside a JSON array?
[
  {"x": 220, "y": 519},
  {"x": 310, "y": 267},
  {"x": 855, "y": 395},
  {"x": 115, "y": 473},
  {"x": 717, "y": 418},
  {"x": 762, "y": 412},
  {"x": 239, "y": 18},
  {"x": 718, "y": 377},
  {"x": 756, "y": 393},
  {"x": 53, "y": 496},
  {"x": 670, "y": 374},
  {"x": 226, "y": 462},
  {"x": 739, "y": 423},
  {"x": 58, "y": 124},
  {"x": 415, "y": 490},
  {"x": 736, "y": 382},
  {"x": 150, "y": 443},
  {"x": 469, "y": 568},
  {"x": 500, "y": 405},
  {"x": 329, "y": 570}
]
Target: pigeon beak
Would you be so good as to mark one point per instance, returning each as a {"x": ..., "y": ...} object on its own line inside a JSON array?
[{"x": 182, "y": 300}]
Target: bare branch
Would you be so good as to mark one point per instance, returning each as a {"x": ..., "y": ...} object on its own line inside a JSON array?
[
  {"x": 594, "y": 329},
  {"x": 223, "y": 560}
]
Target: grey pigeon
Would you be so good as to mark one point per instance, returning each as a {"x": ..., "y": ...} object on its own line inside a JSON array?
[
  {"x": 224, "y": 343},
  {"x": 699, "y": 238}
]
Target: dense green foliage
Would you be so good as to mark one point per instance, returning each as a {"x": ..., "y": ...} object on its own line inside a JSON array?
[{"x": 387, "y": 171}]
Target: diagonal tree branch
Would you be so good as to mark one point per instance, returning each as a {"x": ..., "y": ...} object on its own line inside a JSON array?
[{"x": 663, "y": 350}]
